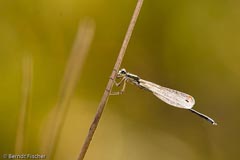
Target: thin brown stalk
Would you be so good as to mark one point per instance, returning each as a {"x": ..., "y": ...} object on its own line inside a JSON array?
[
  {"x": 109, "y": 86},
  {"x": 24, "y": 110},
  {"x": 72, "y": 73}
]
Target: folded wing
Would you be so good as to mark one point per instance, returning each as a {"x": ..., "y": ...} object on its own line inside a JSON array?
[{"x": 170, "y": 96}]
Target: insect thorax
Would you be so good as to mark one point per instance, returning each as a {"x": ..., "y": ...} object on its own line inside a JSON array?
[{"x": 133, "y": 78}]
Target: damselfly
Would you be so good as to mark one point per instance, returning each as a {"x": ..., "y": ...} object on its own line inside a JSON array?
[{"x": 170, "y": 96}]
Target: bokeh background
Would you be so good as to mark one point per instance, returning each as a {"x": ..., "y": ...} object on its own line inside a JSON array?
[{"x": 192, "y": 46}]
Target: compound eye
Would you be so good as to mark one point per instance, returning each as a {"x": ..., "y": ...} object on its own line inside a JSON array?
[{"x": 123, "y": 71}]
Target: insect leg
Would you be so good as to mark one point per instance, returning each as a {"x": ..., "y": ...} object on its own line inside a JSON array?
[
  {"x": 119, "y": 83},
  {"x": 124, "y": 80}
]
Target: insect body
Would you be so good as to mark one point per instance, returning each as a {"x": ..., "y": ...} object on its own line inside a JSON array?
[{"x": 170, "y": 96}]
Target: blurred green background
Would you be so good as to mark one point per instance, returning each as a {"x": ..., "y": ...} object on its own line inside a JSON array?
[{"x": 192, "y": 46}]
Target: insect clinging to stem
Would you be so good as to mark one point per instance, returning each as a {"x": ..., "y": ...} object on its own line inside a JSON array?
[{"x": 170, "y": 96}]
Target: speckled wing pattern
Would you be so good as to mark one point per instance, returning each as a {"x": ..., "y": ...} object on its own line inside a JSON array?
[{"x": 170, "y": 96}]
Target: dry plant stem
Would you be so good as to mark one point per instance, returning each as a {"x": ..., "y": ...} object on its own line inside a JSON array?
[
  {"x": 79, "y": 51},
  {"x": 24, "y": 110},
  {"x": 110, "y": 82}
]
